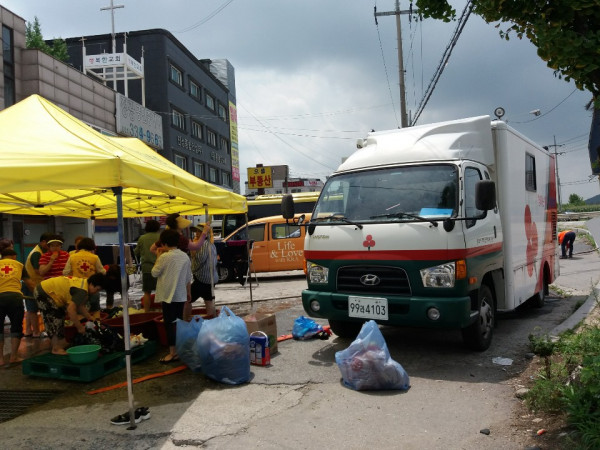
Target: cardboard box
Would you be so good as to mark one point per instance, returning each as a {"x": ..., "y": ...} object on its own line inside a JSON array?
[{"x": 265, "y": 323}]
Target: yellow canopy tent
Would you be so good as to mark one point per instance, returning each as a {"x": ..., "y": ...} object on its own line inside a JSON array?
[{"x": 55, "y": 165}]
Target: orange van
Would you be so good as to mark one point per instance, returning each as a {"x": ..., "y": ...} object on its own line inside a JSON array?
[{"x": 275, "y": 246}]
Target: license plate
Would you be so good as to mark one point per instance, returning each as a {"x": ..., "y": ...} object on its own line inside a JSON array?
[{"x": 368, "y": 308}]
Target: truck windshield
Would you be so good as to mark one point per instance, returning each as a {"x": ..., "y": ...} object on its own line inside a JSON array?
[{"x": 406, "y": 194}]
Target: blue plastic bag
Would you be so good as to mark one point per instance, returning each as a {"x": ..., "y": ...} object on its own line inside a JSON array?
[
  {"x": 223, "y": 346},
  {"x": 305, "y": 328},
  {"x": 367, "y": 365},
  {"x": 185, "y": 341}
]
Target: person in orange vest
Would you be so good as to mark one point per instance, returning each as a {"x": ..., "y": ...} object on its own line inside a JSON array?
[
  {"x": 566, "y": 239},
  {"x": 11, "y": 302},
  {"x": 58, "y": 296}
]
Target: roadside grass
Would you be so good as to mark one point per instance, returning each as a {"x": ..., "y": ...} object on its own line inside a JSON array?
[{"x": 569, "y": 383}]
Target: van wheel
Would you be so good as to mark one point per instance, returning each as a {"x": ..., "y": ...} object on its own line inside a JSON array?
[
  {"x": 225, "y": 274},
  {"x": 345, "y": 329},
  {"x": 478, "y": 336}
]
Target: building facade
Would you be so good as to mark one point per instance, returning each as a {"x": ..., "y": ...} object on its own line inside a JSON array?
[{"x": 193, "y": 97}]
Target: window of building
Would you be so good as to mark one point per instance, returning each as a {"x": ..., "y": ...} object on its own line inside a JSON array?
[
  {"x": 176, "y": 76},
  {"x": 196, "y": 130},
  {"x": 195, "y": 90},
  {"x": 213, "y": 175},
  {"x": 211, "y": 138},
  {"x": 223, "y": 113},
  {"x": 177, "y": 119},
  {"x": 8, "y": 66},
  {"x": 225, "y": 145},
  {"x": 530, "y": 178},
  {"x": 180, "y": 162},
  {"x": 226, "y": 179},
  {"x": 199, "y": 169},
  {"x": 210, "y": 102}
]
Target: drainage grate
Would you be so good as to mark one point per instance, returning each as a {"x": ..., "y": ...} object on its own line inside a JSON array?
[{"x": 15, "y": 403}]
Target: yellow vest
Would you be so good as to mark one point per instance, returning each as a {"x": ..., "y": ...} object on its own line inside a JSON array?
[
  {"x": 11, "y": 271},
  {"x": 58, "y": 288},
  {"x": 33, "y": 275},
  {"x": 83, "y": 263}
]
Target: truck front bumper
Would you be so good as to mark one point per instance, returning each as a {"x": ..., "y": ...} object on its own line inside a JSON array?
[{"x": 454, "y": 312}]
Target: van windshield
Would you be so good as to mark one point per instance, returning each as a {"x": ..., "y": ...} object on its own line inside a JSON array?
[{"x": 411, "y": 193}]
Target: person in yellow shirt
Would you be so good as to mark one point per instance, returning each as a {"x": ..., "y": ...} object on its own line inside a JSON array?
[
  {"x": 84, "y": 262},
  {"x": 61, "y": 295},
  {"x": 11, "y": 302}
]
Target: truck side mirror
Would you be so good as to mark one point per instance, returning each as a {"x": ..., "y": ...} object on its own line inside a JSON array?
[
  {"x": 485, "y": 195},
  {"x": 287, "y": 206}
]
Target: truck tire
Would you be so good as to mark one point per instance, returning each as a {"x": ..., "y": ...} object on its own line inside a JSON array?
[
  {"x": 478, "y": 336},
  {"x": 345, "y": 329},
  {"x": 225, "y": 273},
  {"x": 539, "y": 299}
]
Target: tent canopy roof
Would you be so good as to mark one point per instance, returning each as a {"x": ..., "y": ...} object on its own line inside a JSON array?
[{"x": 55, "y": 165}]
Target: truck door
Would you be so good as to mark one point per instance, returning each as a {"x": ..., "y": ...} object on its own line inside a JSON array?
[{"x": 484, "y": 236}]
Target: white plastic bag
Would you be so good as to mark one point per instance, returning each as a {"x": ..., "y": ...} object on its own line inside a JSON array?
[{"x": 367, "y": 365}]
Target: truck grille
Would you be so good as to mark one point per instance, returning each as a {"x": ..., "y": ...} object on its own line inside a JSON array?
[{"x": 393, "y": 280}]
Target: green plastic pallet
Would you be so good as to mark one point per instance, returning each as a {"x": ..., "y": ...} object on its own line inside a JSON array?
[{"x": 60, "y": 367}]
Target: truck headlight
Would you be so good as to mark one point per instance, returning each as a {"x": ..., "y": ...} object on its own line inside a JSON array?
[
  {"x": 442, "y": 276},
  {"x": 317, "y": 274}
]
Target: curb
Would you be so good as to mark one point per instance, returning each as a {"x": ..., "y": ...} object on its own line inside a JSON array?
[{"x": 578, "y": 316}]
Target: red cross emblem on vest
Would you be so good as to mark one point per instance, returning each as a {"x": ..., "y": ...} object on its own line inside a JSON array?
[
  {"x": 7, "y": 269},
  {"x": 84, "y": 267}
]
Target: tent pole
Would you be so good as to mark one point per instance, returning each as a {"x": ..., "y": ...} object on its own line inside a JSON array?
[
  {"x": 249, "y": 268},
  {"x": 118, "y": 191},
  {"x": 211, "y": 262}
]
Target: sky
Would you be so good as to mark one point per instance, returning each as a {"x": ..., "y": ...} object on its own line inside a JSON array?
[{"x": 314, "y": 76}]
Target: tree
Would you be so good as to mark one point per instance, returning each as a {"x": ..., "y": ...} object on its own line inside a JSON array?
[
  {"x": 576, "y": 200},
  {"x": 565, "y": 32},
  {"x": 35, "y": 39}
]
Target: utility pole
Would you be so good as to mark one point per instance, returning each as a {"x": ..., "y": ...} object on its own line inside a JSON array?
[
  {"x": 556, "y": 166},
  {"x": 398, "y": 13}
]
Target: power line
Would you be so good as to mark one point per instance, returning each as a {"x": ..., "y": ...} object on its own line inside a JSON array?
[
  {"x": 207, "y": 18},
  {"x": 445, "y": 58}
]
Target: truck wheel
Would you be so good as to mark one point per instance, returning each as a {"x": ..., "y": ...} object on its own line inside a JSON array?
[
  {"x": 345, "y": 329},
  {"x": 478, "y": 336},
  {"x": 539, "y": 299},
  {"x": 225, "y": 274}
]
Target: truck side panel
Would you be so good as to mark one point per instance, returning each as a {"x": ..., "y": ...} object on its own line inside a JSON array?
[{"x": 526, "y": 192}]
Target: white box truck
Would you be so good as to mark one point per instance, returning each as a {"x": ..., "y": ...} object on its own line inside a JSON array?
[{"x": 440, "y": 225}]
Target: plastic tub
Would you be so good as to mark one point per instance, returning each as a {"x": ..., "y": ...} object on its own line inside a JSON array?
[
  {"x": 141, "y": 323},
  {"x": 83, "y": 354}
]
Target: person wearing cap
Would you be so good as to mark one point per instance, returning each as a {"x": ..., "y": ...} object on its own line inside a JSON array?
[
  {"x": 31, "y": 279},
  {"x": 11, "y": 302},
  {"x": 61, "y": 295},
  {"x": 53, "y": 262}
]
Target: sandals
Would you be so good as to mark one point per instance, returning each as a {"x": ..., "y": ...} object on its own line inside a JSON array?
[
  {"x": 164, "y": 359},
  {"x": 142, "y": 413}
]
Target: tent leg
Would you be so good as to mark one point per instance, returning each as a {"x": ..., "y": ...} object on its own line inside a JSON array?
[{"x": 126, "y": 330}]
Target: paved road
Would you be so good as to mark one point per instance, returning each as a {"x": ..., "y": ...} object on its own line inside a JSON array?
[{"x": 299, "y": 401}]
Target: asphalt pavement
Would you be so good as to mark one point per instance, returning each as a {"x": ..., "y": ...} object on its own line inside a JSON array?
[{"x": 286, "y": 405}]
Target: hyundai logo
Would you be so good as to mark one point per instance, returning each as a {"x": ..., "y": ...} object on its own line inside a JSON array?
[{"x": 370, "y": 280}]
